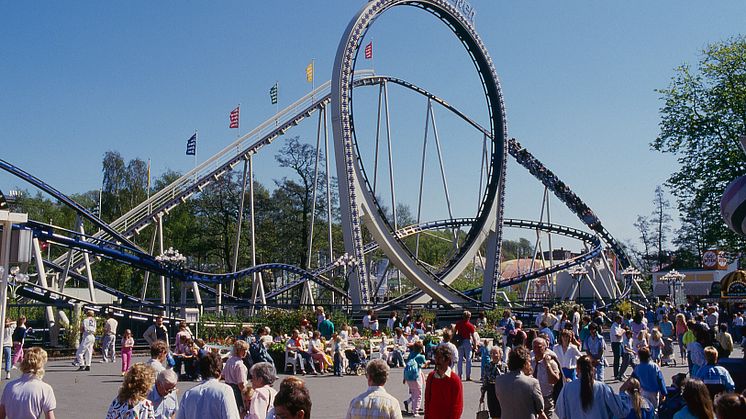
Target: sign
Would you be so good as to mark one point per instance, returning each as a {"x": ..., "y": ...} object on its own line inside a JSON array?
[{"x": 714, "y": 259}]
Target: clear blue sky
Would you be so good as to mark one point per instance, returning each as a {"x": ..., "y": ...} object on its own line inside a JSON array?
[{"x": 80, "y": 78}]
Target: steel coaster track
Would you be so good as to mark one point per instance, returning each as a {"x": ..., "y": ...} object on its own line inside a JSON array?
[{"x": 195, "y": 180}]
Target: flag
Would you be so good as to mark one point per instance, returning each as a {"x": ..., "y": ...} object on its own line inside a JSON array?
[
  {"x": 273, "y": 94},
  {"x": 192, "y": 145},
  {"x": 369, "y": 51},
  {"x": 309, "y": 72},
  {"x": 234, "y": 118}
]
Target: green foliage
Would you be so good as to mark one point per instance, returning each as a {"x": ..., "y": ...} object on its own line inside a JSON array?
[
  {"x": 567, "y": 306},
  {"x": 624, "y": 307},
  {"x": 701, "y": 121}
]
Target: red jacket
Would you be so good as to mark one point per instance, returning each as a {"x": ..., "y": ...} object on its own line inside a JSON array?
[{"x": 444, "y": 397}]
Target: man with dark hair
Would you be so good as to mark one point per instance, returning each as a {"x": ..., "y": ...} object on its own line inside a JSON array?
[
  {"x": 376, "y": 401},
  {"x": 210, "y": 398},
  {"x": 444, "y": 394},
  {"x": 651, "y": 378},
  {"x": 519, "y": 394},
  {"x": 156, "y": 331}
]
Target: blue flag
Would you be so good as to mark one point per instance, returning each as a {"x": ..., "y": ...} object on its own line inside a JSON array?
[{"x": 191, "y": 148}]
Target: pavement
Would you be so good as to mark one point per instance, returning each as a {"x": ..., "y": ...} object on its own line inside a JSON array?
[{"x": 88, "y": 394}]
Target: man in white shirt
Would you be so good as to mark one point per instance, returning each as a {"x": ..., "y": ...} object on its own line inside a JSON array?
[
  {"x": 110, "y": 336},
  {"x": 447, "y": 336},
  {"x": 576, "y": 321},
  {"x": 400, "y": 347},
  {"x": 211, "y": 398},
  {"x": 366, "y": 319},
  {"x": 616, "y": 333},
  {"x": 375, "y": 402},
  {"x": 163, "y": 395},
  {"x": 88, "y": 338}
]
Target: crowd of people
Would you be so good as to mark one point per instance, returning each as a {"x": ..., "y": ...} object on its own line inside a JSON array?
[{"x": 556, "y": 367}]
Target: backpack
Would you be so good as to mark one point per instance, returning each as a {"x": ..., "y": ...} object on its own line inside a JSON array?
[
  {"x": 412, "y": 370},
  {"x": 259, "y": 353}
]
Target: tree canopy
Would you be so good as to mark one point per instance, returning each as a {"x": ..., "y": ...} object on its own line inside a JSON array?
[{"x": 703, "y": 116}]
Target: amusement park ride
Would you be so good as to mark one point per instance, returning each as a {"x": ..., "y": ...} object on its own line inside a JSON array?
[{"x": 359, "y": 208}]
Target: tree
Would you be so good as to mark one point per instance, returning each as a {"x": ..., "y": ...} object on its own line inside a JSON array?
[
  {"x": 661, "y": 223},
  {"x": 646, "y": 238},
  {"x": 703, "y": 115}
]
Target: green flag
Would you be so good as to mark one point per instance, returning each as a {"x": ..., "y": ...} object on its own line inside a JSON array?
[{"x": 273, "y": 94}]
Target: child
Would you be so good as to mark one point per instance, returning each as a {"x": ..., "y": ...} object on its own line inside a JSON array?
[
  {"x": 413, "y": 377},
  {"x": 485, "y": 358},
  {"x": 656, "y": 344},
  {"x": 383, "y": 349},
  {"x": 339, "y": 354},
  {"x": 247, "y": 393},
  {"x": 642, "y": 340},
  {"x": 127, "y": 343}
]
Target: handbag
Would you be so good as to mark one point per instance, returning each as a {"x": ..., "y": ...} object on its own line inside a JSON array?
[{"x": 483, "y": 413}]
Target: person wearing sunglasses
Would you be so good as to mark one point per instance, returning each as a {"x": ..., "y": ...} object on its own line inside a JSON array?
[{"x": 163, "y": 395}]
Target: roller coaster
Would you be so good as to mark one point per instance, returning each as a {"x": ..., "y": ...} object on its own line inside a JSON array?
[{"x": 359, "y": 207}]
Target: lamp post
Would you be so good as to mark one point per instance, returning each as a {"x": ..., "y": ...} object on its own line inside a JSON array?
[
  {"x": 675, "y": 282},
  {"x": 630, "y": 274},
  {"x": 577, "y": 273},
  {"x": 174, "y": 259}
]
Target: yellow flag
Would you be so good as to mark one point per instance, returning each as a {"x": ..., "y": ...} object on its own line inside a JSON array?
[{"x": 309, "y": 72}]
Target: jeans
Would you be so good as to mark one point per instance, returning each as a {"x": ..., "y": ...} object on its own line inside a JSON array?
[
  {"x": 616, "y": 349},
  {"x": 570, "y": 373},
  {"x": 108, "y": 348},
  {"x": 464, "y": 354},
  {"x": 397, "y": 358},
  {"x": 626, "y": 362},
  {"x": 7, "y": 353}
]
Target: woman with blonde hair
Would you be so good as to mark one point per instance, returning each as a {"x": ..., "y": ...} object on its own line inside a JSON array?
[
  {"x": 132, "y": 398},
  {"x": 681, "y": 328},
  {"x": 29, "y": 396}
]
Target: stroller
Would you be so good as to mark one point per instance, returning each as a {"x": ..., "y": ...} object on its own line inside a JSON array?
[
  {"x": 667, "y": 358},
  {"x": 356, "y": 361}
]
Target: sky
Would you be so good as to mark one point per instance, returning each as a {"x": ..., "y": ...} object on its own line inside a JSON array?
[{"x": 579, "y": 80}]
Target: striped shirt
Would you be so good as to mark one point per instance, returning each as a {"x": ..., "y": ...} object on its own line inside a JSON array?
[{"x": 373, "y": 404}]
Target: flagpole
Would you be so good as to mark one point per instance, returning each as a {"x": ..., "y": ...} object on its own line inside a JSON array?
[
  {"x": 196, "y": 138},
  {"x": 148, "y": 192},
  {"x": 277, "y": 102},
  {"x": 372, "y": 58}
]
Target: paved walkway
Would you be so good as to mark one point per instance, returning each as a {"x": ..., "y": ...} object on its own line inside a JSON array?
[{"x": 88, "y": 394}]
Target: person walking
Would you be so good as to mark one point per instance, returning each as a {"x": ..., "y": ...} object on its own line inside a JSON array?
[
  {"x": 19, "y": 336},
  {"x": 28, "y": 396},
  {"x": 413, "y": 377},
  {"x": 596, "y": 346},
  {"x": 375, "y": 402},
  {"x": 156, "y": 331},
  {"x": 262, "y": 376},
  {"x": 714, "y": 375},
  {"x": 108, "y": 347},
  {"x": 465, "y": 330},
  {"x": 444, "y": 394},
  {"x": 163, "y": 395},
  {"x": 616, "y": 333},
  {"x": 85, "y": 348},
  {"x": 567, "y": 353},
  {"x": 546, "y": 369},
  {"x": 235, "y": 372},
  {"x": 725, "y": 341},
  {"x": 132, "y": 400},
  {"x": 10, "y": 326},
  {"x": 519, "y": 394},
  {"x": 127, "y": 344},
  {"x": 495, "y": 368},
  {"x": 586, "y": 398},
  {"x": 650, "y": 376},
  {"x": 210, "y": 398}
]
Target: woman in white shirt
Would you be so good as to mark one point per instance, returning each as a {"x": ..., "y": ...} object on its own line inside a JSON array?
[{"x": 568, "y": 354}]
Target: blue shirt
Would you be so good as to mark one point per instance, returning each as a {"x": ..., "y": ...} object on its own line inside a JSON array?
[
  {"x": 666, "y": 328},
  {"x": 595, "y": 345},
  {"x": 651, "y": 377},
  {"x": 606, "y": 403},
  {"x": 715, "y": 374}
]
